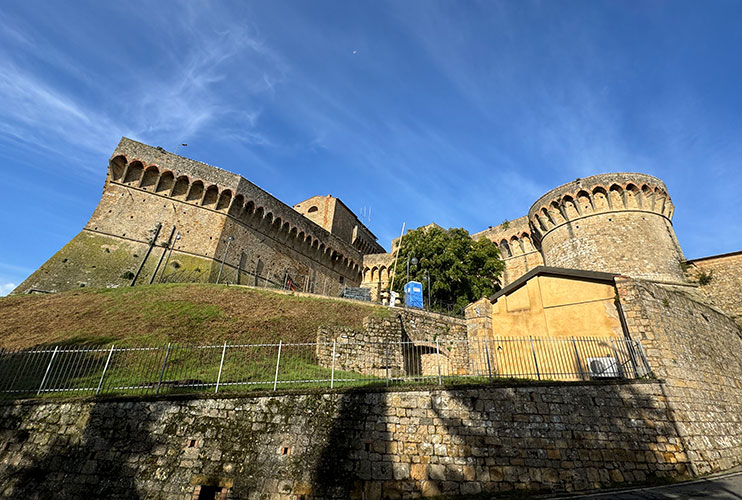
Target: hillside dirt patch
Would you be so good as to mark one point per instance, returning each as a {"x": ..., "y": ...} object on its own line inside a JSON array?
[{"x": 179, "y": 313}]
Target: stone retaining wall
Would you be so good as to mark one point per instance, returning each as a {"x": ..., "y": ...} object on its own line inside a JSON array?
[
  {"x": 696, "y": 350},
  {"x": 401, "y": 344},
  {"x": 369, "y": 445}
]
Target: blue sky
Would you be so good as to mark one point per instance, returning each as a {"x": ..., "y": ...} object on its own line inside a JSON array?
[{"x": 461, "y": 113}]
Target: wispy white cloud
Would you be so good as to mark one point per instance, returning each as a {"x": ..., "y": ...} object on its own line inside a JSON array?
[
  {"x": 186, "y": 97},
  {"x": 6, "y": 288}
]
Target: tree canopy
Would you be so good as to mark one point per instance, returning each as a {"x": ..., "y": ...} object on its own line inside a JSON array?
[{"x": 461, "y": 270}]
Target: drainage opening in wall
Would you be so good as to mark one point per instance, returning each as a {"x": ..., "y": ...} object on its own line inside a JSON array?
[{"x": 206, "y": 492}]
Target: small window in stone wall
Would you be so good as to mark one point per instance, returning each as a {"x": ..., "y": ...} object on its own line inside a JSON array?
[{"x": 312, "y": 209}]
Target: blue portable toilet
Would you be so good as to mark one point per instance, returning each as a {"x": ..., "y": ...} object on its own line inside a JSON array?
[{"x": 413, "y": 294}]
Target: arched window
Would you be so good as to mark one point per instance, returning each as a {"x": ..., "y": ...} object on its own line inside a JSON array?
[{"x": 312, "y": 209}]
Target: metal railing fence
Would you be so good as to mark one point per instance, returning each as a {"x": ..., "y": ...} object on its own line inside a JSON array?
[{"x": 77, "y": 370}]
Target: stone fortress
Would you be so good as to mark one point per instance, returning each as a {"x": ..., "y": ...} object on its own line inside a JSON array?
[
  {"x": 217, "y": 225},
  {"x": 318, "y": 246},
  {"x": 595, "y": 257}
]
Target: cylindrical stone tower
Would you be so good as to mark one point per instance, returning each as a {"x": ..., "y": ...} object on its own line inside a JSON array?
[{"x": 618, "y": 223}]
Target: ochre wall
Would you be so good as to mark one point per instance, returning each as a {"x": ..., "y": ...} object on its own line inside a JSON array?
[
  {"x": 557, "y": 307},
  {"x": 553, "y": 309}
]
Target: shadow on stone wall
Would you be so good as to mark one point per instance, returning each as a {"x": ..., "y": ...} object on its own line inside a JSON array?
[
  {"x": 495, "y": 439},
  {"x": 85, "y": 458},
  {"x": 608, "y": 435},
  {"x": 346, "y": 466}
]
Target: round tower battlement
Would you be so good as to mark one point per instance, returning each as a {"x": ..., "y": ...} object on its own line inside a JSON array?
[{"x": 617, "y": 222}]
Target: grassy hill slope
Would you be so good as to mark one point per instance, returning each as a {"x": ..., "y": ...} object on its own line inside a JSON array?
[{"x": 182, "y": 313}]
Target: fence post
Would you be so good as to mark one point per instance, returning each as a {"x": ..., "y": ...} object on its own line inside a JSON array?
[
  {"x": 618, "y": 360},
  {"x": 438, "y": 358},
  {"x": 278, "y": 362},
  {"x": 332, "y": 376},
  {"x": 487, "y": 353},
  {"x": 535, "y": 361},
  {"x": 105, "y": 369},
  {"x": 221, "y": 365},
  {"x": 644, "y": 359},
  {"x": 48, "y": 367},
  {"x": 162, "y": 371},
  {"x": 579, "y": 363},
  {"x": 387, "y": 363}
]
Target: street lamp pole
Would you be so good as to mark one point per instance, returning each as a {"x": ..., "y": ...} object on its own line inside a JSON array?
[
  {"x": 427, "y": 277},
  {"x": 412, "y": 259}
]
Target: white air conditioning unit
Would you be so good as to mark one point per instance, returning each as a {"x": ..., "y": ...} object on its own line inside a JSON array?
[{"x": 606, "y": 367}]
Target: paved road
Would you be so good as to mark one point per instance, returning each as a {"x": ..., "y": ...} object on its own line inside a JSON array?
[{"x": 727, "y": 487}]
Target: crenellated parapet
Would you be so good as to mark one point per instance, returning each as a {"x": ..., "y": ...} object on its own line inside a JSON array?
[
  {"x": 153, "y": 170},
  {"x": 618, "y": 222},
  {"x": 599, "y": 194},
  {"x": 517, "y": 247}
]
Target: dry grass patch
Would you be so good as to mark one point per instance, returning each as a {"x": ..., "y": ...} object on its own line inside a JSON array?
[{"x": 180, "y": 313}]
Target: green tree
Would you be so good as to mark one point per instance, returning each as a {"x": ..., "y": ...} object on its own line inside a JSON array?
[{"x": 461, "y": 269}]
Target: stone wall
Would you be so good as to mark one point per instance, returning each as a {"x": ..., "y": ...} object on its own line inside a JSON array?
[
  {"x": 723, "y": 282},
  {"x": 369, "y": 445},
  {"x": 516, "y": 248},
  {"x": 398, "y": 344},
  {"x": 616, "y": 222},
  {"x": 637, "y": 244},
  {"x": 696, "y": 350},
  {"x": 146, "y": 186}
]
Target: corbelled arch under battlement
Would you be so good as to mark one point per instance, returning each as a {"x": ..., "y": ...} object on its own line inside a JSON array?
[
  {"x": 250, "y": 206},
  {"x": 619, "y": 222},
  {"x": 517, "y": 249},
  {"x": 597, "y": 194},
  {"x": 220, "y": 216}
]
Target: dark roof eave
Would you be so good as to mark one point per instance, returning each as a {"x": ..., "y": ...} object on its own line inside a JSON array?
[{"x": 554, "y": 271}]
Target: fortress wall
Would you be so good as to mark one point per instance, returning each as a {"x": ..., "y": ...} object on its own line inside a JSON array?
[
  {"x": 517, "y": 248},
  {"x": 353, "y": 444},
  {"x": 219, "y": 190},
  {"x": 98, "y": 261},
  {"x": 696, "y": 350},
  {"x": 207, "y": 205},
  {"x": 377, "y": 272},
  {"x": 724, "y": 287},
  {"x": 617, "y": 222},
  {"x": 637, "y": 244}
]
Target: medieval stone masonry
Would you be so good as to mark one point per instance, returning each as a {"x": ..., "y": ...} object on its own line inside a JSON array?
[
  {"x": 270, "y": 241},
  {"x": 594, "y": 257}
]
